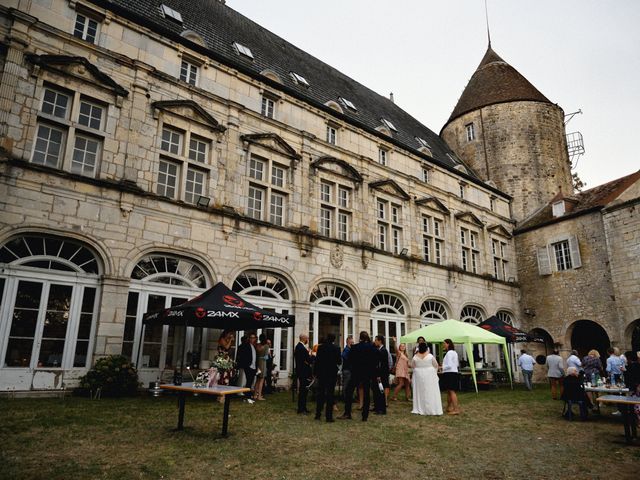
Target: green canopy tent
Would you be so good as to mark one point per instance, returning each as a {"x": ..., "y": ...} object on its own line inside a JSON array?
[{"x": 462, "y": 333}]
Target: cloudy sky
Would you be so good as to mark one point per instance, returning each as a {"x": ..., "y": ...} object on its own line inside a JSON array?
[{"x": 582, "y": 54}]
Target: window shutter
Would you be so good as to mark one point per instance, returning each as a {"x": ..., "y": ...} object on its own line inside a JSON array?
[
  {"x": 544, "y": 266},
  {"x": 574, "y": 248}
]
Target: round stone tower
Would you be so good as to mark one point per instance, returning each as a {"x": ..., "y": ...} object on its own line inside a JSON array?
[{"x": 512, "y": 135}]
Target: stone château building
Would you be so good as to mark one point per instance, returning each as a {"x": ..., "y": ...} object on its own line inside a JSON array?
[{"x": 151, "y": 148}]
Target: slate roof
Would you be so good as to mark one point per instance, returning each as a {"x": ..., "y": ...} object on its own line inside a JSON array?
[
  {"x": 590, "y": 200},
  {"x": 220, "y": 26},
  {"x": 494, "y": 81}
]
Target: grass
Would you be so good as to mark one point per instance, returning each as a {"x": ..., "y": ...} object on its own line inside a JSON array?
[{"x": 501, "y": 434}]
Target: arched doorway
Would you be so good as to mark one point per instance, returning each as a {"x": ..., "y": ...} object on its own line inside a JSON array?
[
  {"x": 539, "y": 351},
  {"x": 634, "y": 335},
  {"x": 162, "y": 280},
  {"x": 388, "y": 318},
  {"x": 49, "y": 295},
  {"x": 587, "y": 335},
  {"x": 271, "y": 292},
  {"x": 332, "y": 311}
]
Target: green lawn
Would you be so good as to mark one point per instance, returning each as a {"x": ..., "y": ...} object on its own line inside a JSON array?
[{"x": 501, "y": 434}]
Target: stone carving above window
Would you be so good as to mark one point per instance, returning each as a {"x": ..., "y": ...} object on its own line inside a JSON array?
[{"x": 190, "y": 110}]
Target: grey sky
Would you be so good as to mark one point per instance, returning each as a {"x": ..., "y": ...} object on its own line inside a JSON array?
[{"x": 581, "y": 54}]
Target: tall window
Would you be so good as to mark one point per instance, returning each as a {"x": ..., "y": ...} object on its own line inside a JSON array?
[
  {"x": 389, "y": 225},
  {"x": 470, "y": 250},
  {"x": 562, "y": 255},
  {"x": 433, "y": 310},
  {"x": 426, "y": 174},
  {"x": 189, "y": 72},
  {"x": 183, "y": 168},
  {"x": 433, "y": 239},
  {"x": 470, "y": 131},
  {"x": 335, "y": 210},
  {"x": 332, "y": 134},
  {"x": 268, "y": 190},
  {"x": 70, "y": 132},
  {"x": 160, "y": 281},
  {"x": 85, "y": 28},
  {"x": 268, "y": 106},
  {"x": 50, "y": 315},
  {"x": 382, "y": 156},
  {"x": 498, "y": 249}
]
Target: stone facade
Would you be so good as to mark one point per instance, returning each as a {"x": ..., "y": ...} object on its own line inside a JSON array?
[
  {"x": 119, "y": 215},
  {"x": 520, "y": 146}
]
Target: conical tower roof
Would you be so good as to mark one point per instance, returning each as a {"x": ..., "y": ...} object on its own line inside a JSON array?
[{"x": 495, "y": 81}]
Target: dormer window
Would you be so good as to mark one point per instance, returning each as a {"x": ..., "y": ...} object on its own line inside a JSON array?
[
  {"x": 558, "y": 208},
  {"x": 170, "y": 13},
  {"x": 299, "y": 79},
  {"x": 388, "y": 124},
  {"x": 423, "y": 143},
  {"x": 349, "y": 104},
  {"x": 242, "y": 50}
]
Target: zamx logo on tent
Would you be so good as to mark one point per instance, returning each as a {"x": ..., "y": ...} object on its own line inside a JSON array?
[
  {"x": 257, "y": 316},
  {"x": 200, "y": 312},
  {"x": 233, "y": 301}
]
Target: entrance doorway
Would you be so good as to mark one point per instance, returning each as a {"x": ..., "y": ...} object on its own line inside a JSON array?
[
  {"x": 330, "y": 323},
  {"x": 635, "y": 336},
  {"x": 587, "y": 335}
]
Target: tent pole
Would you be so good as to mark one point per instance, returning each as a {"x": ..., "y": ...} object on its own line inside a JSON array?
[
  {"x": 507, "y": 350},
  {"x": 472, "y": 363}
]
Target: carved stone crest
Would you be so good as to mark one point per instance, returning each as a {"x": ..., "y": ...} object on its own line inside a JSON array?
[{"x": 337, "y": 257}]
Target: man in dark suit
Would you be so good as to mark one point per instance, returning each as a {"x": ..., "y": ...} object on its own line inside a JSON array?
[
  {"x": 382, "y": 377},
  {"x": 326, "y": 372},
  {"x": 303, "y": 371},
  {"x": 364, "y": 358},
  {"x": 246, "y": 359}
]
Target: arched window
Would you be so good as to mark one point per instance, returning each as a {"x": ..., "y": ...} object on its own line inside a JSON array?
[
  {"x": 170, "y": 270},
  {"x": 51, "y": 310},
  {"x": 50, "y": 253},
  {"x": 386, "y": 303},
  {"x": 433, "y": 310},
  {"x": 270, "y": 291},
  {"x": 326, "y": 293},
  {"x": 471, "y": 314},
  {"x": 261, "y": 284},
  {"x": 162, "y": 281},
  {"x": 505, "y": 316}
]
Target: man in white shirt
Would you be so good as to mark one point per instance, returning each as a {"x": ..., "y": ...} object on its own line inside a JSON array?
[
  {"x": 526, "y": 363},
  {"x": 574, "y": 360}
]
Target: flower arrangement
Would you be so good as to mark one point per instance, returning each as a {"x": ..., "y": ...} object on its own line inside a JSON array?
[
  {"x": 223, "y": 363},
  {"x": 202, "y": 379}
]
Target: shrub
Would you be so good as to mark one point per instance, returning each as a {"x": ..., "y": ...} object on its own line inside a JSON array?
[{"x": 114, "y": 375}]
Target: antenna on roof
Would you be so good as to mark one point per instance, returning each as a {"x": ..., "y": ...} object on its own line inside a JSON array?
[{"x": 486, "y": 14}]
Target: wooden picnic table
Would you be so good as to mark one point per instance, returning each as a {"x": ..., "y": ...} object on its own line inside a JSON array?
[
  {"x": 218, "y": 391},
  {"x": 628, "y": 415},
  {"x": 608, "y": 390}
]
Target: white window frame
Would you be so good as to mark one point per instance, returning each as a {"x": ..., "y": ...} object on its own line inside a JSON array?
[
  {"x": 470, "y": 132},
  {"x": 189, "y": 71},
  {"x": 432, "y": 238},
  {"x": 390, "y": 236},
  {"x": 71, "y": 126},
  {"x": 336, "y": 212},
  {"x": 383, "y": 157},
  {"x": 268, "y": 108},
  {"x": 271, "y": 178},
  {"x": 299, "y": 79},
  {"x": 242, "y": 50},
  {"x": 389, "y": 124},
  {"x": 178, "y": 148},
  {"x": 332, "y": 134},
  {"x": 83, "y": 33},
  {"x": 469, "y": 250}
]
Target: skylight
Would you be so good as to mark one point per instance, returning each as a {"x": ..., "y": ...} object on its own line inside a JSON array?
[
  {"x": 299, "y": 79},
  {"x": 423, "y": 142},
  {"x": 243, "y": 50},
  {"x": 169, "y": 12},
  {"x": 388, "y": 124},
  {"x": 348, "y": 104}
]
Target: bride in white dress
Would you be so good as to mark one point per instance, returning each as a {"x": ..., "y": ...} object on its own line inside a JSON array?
[{"x": 426, "y": 391}]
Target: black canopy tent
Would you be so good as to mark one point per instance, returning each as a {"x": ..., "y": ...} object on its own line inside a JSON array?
[
  {"x": 511, "y": 333},
  {"x": 219, "y": 307}
]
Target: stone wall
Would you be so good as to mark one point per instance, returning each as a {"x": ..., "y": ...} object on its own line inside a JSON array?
[
  {"x": 564, "y": 297},
  {"x": 622, "y": 229},
  {"x": 520, "y": 146}
]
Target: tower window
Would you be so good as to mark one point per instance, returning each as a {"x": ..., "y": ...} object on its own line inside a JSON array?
[{"x": 471, "y": 133}]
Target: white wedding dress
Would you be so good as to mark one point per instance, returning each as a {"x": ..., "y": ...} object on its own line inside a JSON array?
[{"x": 426, "y": 390}]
